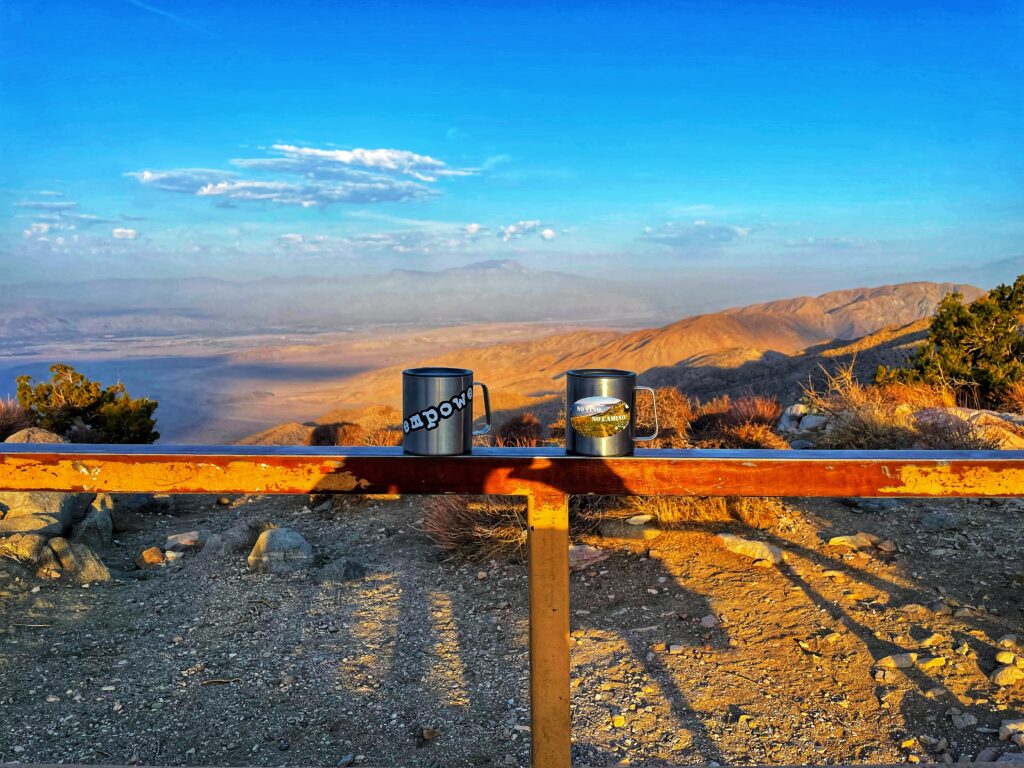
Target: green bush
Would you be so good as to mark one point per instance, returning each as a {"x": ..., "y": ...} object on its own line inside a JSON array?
[
  {"x": 83, "y": 411},
  {"x": 975, "y": 350}
]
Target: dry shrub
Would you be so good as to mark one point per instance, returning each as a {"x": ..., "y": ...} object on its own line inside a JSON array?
[
  {"x": 754, "y": 409},
  {"x": 13, "y": 418},
  {"x": 752, "y": 435},
  {"x": 951, "y": 433},
  {"x": 679, "y": 511},
  {"x": 675, "y": 412},
  {"x": 522, "y": 431},
  {"x": 556, "y": 429},
  {"x": 916, "y": 396},
  {"x": 861, "y": 418},
  {"x": 337, "y": 433},
  {"x": 1013, "y": 398},
  {"x": 477, "y": 528}
]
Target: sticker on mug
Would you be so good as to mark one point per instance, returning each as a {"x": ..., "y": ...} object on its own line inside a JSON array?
[{"x": 599, "y": 416}]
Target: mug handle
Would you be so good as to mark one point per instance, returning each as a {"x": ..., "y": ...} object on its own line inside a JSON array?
[
  {"x": 654, "y": 407},
  {"x": 487, "y": 408}
]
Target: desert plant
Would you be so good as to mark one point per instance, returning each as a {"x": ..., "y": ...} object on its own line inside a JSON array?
[
  {"x": 678, "y": 511},
  {"x": 522, "y": 431},
  {"x": 1013, "y": 398},
  {"x": 556, "y": 429},
  {"x": 71, "y": 404},
  {"x": 674, "y": 415},
  {"x": 751, "y": 434},
  {"x": 861, "y": 417},
  {"x": 949, "y": 432},
  {"x": 13, "y": 418},
  {"x": 477, "y": 528},
  {"x": 337, "y": 433},
  {"x": 975, "y": 350}
]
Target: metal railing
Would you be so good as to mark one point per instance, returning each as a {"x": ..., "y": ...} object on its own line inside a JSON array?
[{"x": 546, "y": 477}]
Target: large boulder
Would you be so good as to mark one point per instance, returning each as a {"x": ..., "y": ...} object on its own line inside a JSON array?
[
  {"x": 44, "y": 513},
  {"x": 57, "y": 558}
]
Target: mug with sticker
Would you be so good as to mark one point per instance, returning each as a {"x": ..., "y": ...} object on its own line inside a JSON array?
[
  {"x": 437, "y": 411},
  {"x": 600, "y": 412}
]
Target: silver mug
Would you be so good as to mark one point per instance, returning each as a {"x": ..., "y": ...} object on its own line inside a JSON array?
[
  {"x": 600, "y": 412},
  {"x": 437, "y": 411}
]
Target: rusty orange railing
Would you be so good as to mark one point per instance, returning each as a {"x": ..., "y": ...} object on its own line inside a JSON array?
[{"x": 545, "y": 476}]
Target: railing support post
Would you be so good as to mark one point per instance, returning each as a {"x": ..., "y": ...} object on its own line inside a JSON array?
[{"x": 548, "y": 532}]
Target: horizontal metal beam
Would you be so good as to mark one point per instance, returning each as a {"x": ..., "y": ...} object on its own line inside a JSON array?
[{"x": 518, "y": 471}]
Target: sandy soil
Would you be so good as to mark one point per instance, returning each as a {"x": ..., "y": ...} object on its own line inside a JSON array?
[{"x": 423, "y": 662}]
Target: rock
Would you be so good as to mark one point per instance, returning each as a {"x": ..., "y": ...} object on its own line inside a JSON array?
[
  {"x": 932, "y": 640},
  {"x": 710, "y": 621},
  {"x": 1007, "y": 641},
  {"x": 1011, "y": 757},
  {"x": 797, "y": 409},
  {"x": 128, "y": 511},
  {"x": 801, "y": 445},
  {"x": 618, "y": 721},
  {"x": 966, "y": 720},
  {"x": 1007, "y": 675},
  {"x": 1006, "y": 657},
  {"x": 813, "y": 421},
  {"x": 35, "y": 435},
  {"x": 341, "y": 570},
  {"x": 214, "y": 546},
  {"x": 190, "y": 541},
  {"x": 640, "y": 519},
  {"x": 676, "y": 648},
  {"x": 939, "y": 521},
  {"x": 623, "y": 529},
  {"x": 583, "y": 555},
  {"x": 96, "y": 529},
  {"x": 46, "y": 513},
  {"x": 755, "y": 550},
  {"x": 346, "y": 760},
  {"x": 78, "y": 562},
  {"x": 856, "y": 541},
  {"x": 897, "y": 661},
  {"x": 929, "y": 663},
  {"x": 1008, "y": 728},
  {"x": 280, "y": 550},
  {"x": 987, "y": 755},
  {"x": 889, "y": 546},
  {"x": 153, "y": 557},
  {"x": 26, "y": 548}
]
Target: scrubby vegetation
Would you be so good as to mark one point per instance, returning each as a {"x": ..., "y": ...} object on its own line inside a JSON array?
[
  {"x": 975, "y": 351},
  {"x": 85, "y": 411},
  {"x": 522, "y": 431},
  {"x": 13, "y": 418},
  {"x": 888, "y": 416}
]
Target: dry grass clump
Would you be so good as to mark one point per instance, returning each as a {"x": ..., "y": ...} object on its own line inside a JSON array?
[
  {"x": 747, "y": 422},
  {"x": 13, "y": 418},
  {"x": 1013, "y": 398},
  {"x": 349, "y": 433},
  {"x": 752, "y": 435},
  {"x": 522, "y": 431},
  {"x": 679, "y": 511},
  {"x": 883, "y": 416},
  {"x": 675, "y": 412},
  {"x": 556, "y": 429},
  {"x": 477, "y": 528}
]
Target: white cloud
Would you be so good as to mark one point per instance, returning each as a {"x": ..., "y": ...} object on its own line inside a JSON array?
[
  {"x": 123, "y": 233},
  {"x": 312, "y": 177},
  {"x": 185, "y": 180},
  {"x": 51, "y": 206},
  {"x": 548, "y": 233},
  {"x": 290, "y": 238},
  {"x": 473, "y": 229},
  {"x": 523, "y": 228},
  {"x": 37, "y": 229},
  {"x": 398, "y": 161},
  {"x": 696, "y": 236}
]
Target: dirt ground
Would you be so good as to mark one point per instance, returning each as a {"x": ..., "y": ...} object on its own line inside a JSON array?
[{"x": 423, "y": 662}]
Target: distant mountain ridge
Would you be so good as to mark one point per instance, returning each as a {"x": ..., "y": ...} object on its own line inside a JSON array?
[{"x": 768, "y": 332}]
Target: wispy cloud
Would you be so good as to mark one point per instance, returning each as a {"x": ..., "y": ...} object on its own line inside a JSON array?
[
  {"x": 124, "y": 233},
  {"x": 827, "y": 243},
  {"x": 526, "y": 227},
  {"x": 166, "y": 15},
  {"x": 47, "y": 205},
  {"x": 698, "y": 236},
  {"x": 312, "y": 177}
]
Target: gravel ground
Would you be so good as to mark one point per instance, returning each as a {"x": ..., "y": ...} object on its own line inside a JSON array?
[{"x": 682, "y": 652}]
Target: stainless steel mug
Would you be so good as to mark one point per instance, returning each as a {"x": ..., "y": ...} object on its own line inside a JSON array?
[
  {"x": 437, "y": 411},
  {"x": 600, "y": 412}
]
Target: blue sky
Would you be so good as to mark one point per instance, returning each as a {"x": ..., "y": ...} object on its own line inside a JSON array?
[{"x": 856, "y": 142}]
